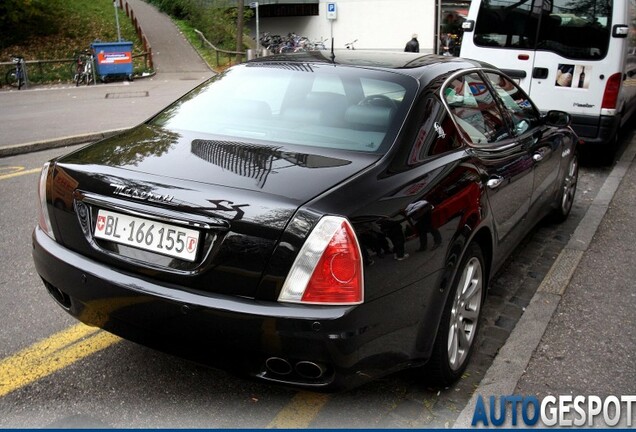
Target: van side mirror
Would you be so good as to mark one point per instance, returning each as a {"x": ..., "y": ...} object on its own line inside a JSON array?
[
  {"x": 557, "y": 118},
  {"x": 468, "y": 25}
]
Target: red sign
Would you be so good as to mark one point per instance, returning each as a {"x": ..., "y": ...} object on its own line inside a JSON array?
[{"x": 114, "y": 57}]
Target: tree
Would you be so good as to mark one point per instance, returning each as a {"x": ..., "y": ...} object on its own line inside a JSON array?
[
  {"x": 20, "y": 19},
  {"x": 239, "y": 29}
]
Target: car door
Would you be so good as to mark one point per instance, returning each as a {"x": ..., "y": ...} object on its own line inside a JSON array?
[
  {"x": 505, "y": 160},
  {"x": 543, "y": 143}
]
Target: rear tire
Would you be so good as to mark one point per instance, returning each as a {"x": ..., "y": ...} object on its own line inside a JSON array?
[
  {"x": 77, "y": 78},
  {"x": 89, "y": 74},
  {"x": 568, "y": 190},
  {"x": 11, "y": 79},
  {"x": 607, "y": 153},
  {"x": 459, "y": 325}
]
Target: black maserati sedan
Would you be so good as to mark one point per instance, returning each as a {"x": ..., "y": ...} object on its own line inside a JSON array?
[{"x": 314, "y": 219}]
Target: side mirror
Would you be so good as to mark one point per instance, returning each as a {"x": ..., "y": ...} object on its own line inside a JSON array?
[
  {"x": 557, "y": 118},
  {"x": 468, "y": 25}
]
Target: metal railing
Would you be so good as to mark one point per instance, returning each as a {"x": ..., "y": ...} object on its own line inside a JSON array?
[
  {"x": 38, "y": 65},
  {"x": 219, "y": 51}
]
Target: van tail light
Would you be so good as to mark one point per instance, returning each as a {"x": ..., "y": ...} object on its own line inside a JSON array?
[
  {"x": 44, "y": 221},
  {"x": 612, "y": 87},
  {"x": 328, "y": 268}
]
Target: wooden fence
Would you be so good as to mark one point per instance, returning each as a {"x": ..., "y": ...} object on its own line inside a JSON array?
[
  {"x": 219, "y": 51},
  {"x": 140, "y": 33}
]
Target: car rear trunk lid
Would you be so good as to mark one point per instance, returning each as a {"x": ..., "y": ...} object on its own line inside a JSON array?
[{"x": 232, "y": 201}]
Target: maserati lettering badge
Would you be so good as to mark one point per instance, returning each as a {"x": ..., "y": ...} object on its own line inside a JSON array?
[{"x": 129, "y": 192}]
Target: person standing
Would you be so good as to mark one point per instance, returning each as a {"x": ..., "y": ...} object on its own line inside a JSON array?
[{"x": 413, "y": 45}]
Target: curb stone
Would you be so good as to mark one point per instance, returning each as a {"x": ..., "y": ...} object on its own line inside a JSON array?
[
  {"x": 18, "y": 149},
  {"x": 513, "y": 358}
]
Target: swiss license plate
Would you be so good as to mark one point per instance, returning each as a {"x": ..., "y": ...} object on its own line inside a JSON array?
[{"x": 162, "y": 238}]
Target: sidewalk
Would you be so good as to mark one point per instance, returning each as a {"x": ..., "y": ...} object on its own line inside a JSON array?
[
  {"x": 172, "y": 53},
  {"x": 578, "y": 335}
]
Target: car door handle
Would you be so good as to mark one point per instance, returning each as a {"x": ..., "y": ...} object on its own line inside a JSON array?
[{"x": 494, "y": 182}]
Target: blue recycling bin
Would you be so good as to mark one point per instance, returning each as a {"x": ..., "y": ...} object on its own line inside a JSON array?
[{"x": 113, "y": 60}]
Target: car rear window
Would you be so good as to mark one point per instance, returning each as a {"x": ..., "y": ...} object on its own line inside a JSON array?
[{"x": 330, "y": 106}]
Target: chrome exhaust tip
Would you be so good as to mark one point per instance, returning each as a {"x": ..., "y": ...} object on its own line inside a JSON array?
[
  {"x": 59, "y": 296},
  {"x": 309, "y": 369},
  {"x": 278, "y": 365}
]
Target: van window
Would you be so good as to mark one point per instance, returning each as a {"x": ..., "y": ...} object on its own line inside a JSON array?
[{"x": 576, "y": 30}]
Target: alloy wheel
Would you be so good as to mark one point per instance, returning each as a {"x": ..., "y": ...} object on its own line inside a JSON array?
[
  {"x": 464, "y": 315},
  {"x": 569, "y": 186}
]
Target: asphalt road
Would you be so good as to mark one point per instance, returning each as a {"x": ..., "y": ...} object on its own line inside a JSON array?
[
  {"x": 48, "y": 112},
  {"x": 101, "y": 381}
]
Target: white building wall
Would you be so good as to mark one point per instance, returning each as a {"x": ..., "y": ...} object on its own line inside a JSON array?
[{"x": 376, "y": 24}]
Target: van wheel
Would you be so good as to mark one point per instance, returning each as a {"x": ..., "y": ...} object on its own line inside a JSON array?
[
  {"x": 607, "y": 152},
  {"x": 458, "y": 328},
  {"x": 568, "y": 190}
]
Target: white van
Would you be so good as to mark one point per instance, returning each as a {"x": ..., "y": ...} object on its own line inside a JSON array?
[{"x": 573, "y": 56}]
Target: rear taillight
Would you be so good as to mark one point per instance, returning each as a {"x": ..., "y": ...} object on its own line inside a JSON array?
[
  {"x": 328, "y": 268},
  {"x": 612, "y": 87},
  {"x": 44, "y": 221}
]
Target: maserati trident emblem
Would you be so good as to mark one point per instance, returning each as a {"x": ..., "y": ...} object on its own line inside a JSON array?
[
  {"x": 138, "y": 194},
  {"x": 440, "y": 130}
]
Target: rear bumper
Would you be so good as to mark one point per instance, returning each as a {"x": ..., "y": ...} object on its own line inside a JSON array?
[
  {"x": 349, "y": 345},
  {"x": 596, "y": 130}
]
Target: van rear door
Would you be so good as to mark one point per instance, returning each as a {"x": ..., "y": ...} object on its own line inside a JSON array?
[
  {"x": 504, "y": 35},
  {"x": 556, "y": 50},
  {"x": 573, "y": 62}
]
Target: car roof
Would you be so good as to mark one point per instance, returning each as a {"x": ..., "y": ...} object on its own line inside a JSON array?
[{"x": 418, "y": 65}]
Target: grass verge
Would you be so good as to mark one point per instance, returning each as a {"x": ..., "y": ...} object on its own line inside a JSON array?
[
  {"x": 75, "y": 25},
  {"x": 217, "y": 63}
]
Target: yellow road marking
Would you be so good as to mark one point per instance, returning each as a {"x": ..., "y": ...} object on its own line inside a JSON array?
[
  {"x": 50, "y": 355},
  {"x": 19, "y": 173},
  {"x": 75, "y": 343},
  {"x": 300, "y": 411},
  {"x": 10, "y": 169}
]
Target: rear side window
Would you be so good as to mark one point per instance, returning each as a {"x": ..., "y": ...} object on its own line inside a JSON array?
[
  {"x": 573, "y": 29},
  {"x": 436, "y": 133}
]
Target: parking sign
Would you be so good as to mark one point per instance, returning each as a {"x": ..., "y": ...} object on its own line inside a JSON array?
[{"x": 331, "y": 11}]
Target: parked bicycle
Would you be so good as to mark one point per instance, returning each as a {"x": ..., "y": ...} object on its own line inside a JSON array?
[
  {"x": 17, "y": 77},
  {"x": 351, "y": 45},
  {"x": 291, "y": 43},
  {"x": 83, "y": 68}
]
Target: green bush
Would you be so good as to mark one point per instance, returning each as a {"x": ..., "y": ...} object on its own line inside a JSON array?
[{"x": 216, "y": 19}]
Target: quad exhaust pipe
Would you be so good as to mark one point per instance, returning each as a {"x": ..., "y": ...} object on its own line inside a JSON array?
[
  {"x": 58, "y": 295},
  {"x": 309, "y": 369},
  {"x": 306, "y": 369},
  {"x": 278, "y": 366}
]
